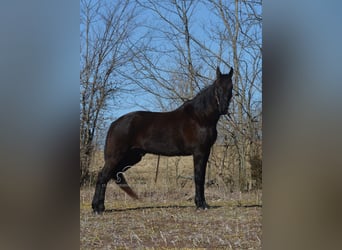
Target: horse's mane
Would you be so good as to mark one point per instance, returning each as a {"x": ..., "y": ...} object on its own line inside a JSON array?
[{"x": 202, "y": 104}]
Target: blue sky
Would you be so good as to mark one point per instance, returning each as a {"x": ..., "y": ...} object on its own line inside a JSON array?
[{"x": 201, "y": 23}]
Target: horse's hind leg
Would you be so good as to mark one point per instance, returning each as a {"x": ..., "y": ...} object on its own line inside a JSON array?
[
  {"x": 101, "y": 184},
  {"x": 132, "y": 157},
  {"x": 114, "y": 169}
]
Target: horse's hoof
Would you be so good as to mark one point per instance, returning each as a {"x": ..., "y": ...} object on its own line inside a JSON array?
[
  {"x": 97, "y": 212},
  {"x": 99, "y": 209},
  {"x": 203, "y": 207}
]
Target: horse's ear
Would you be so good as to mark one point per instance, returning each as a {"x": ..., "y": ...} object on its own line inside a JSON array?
[
  {"x": 218, "y": 72},
  {"x": 230, "y": 74}
]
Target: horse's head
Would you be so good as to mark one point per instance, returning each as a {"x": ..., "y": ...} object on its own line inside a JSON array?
[{"x": 223, "y": 90}]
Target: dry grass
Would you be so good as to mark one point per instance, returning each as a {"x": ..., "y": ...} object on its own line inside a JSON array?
[{"x": 166, "y": 216}]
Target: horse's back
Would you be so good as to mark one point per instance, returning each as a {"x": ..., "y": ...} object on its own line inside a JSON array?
[
  {"x": 152, "y": 132},
  {"x": 129, "y": 126}
]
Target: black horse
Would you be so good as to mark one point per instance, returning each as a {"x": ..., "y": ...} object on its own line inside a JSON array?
[{"x": 188, "y": 130}]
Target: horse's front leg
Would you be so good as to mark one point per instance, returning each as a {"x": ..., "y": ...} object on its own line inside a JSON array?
[{"x": 200, "y": 164}]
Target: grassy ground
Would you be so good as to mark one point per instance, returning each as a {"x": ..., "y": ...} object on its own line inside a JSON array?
[{"x": 165, "y": 216}]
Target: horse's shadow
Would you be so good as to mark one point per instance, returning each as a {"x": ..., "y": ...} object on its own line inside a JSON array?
[
  {"x": 155, "y": 207},
  {"x": 250, "y": 206}
]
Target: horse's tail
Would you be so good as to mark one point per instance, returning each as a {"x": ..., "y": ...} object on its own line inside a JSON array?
[
  {"x": 121, "y": 181},
  {"x": 129, "y": 191}
]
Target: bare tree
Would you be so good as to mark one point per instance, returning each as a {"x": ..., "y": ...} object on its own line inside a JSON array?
[
  {"x": 178, "y": 79},
  {"x": 242, "y": 28},
  {"x": 237, "y": 33},
  {"x": 106, "y": 47}
]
